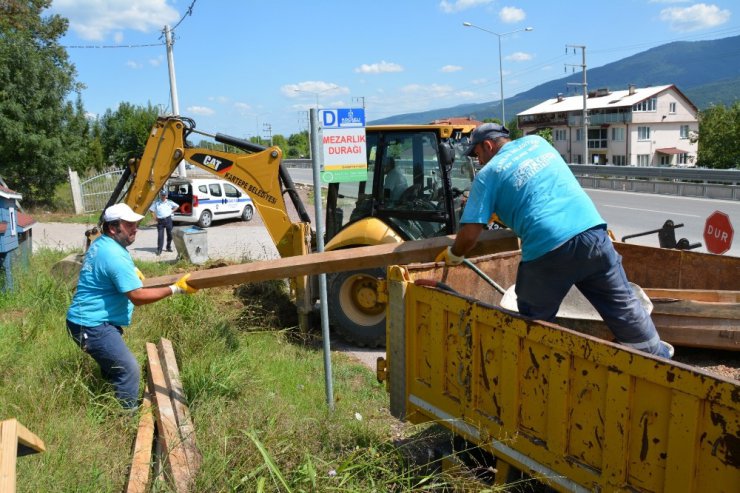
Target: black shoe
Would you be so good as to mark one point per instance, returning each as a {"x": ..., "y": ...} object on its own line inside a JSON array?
[
  {"x": 169, "y": 249},
  {"x": 159, "y": 252}
]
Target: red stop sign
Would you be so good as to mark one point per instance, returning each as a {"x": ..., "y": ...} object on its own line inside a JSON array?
[{"x": 718, "y": 233}]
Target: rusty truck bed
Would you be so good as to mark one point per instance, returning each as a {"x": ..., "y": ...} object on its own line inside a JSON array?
[{"x": 579, "y": 412}]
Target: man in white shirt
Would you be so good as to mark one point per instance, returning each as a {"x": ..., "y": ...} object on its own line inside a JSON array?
[{"x": 163, "y": 209}]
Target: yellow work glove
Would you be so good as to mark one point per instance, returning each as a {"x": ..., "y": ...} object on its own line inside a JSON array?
[
  {"x": 182, "y": 286},
  {"x": 139, "y": 274},
  {"x": 448, "y": 257}
]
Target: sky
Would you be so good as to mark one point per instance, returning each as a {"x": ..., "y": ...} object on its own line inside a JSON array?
[{"x": 246, "y": 67}]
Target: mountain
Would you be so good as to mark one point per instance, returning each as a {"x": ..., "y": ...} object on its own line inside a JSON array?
[{"x": 707, "y": 72}]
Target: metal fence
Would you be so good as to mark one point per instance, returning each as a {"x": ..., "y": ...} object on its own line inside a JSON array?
[{"x": 97, "y": 190}]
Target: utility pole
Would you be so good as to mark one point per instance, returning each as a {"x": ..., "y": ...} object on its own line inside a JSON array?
[
  {"x": 584, "y": 85},
  {"x": 173, "y": 86},
  {"x": 268, "y": 128},
  {"x": 360, "y": 99}
]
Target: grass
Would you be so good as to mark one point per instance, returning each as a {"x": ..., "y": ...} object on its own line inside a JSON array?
[{"x": 255, "y": 390}]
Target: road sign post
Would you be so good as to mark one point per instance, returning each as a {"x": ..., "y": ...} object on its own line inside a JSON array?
[{"x": 718, "y": 233}]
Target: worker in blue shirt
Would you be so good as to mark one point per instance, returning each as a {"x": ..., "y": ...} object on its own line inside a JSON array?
[
  {"x": 108, "y": 288},
  {"x": 564, "y": 239},
  {"x": 163, "y": 208}
]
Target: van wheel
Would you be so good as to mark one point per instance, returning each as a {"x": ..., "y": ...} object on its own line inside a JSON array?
[
  {"x": 206, "y": 218},
  {"x": 248, "y": 213},
  {"x": 355, "y": 312}
]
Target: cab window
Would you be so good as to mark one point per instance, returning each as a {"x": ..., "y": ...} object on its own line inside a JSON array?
[
  {"x": 202, "y": 189},
  {"x": 231, "y": 191},
  {"x": 214, "y": 189}
]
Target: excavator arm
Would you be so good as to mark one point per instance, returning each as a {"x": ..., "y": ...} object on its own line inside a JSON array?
[{"x": 259, "y": 174}]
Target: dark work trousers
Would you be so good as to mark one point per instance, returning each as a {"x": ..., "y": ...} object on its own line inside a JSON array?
[{"x": 164, "y": 224}]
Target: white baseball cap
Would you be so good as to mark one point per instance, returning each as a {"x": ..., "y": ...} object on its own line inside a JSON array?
[{"x": 121, "y": 212}]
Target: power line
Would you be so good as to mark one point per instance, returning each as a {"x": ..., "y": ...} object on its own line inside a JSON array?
[{"x": 188, "y": 12}]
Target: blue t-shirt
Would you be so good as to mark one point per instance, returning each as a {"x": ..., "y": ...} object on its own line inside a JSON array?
[
  {"x": 107, "y": 274},
  {"x": 534, "y": 193}
]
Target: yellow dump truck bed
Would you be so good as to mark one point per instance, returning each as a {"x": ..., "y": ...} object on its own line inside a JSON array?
[{"x": 578, "y": 412}]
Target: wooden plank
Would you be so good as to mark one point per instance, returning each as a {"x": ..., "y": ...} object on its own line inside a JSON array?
[
  {"x": 8, "y": 457},
  {"x": 687, "y": 308},
  {"x": 710, "y": 295},
  {"x": 339, "y": 261},
  {"x": 141, "y": 464},
  {"x": 179, "y": 404},
  {"x": 174, "y": 452},
  {"x": 15, "y": 441}
]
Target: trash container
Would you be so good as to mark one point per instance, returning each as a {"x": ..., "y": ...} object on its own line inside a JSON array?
[{"x": 191, "y": 243}]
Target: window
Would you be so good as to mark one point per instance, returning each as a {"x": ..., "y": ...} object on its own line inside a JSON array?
[
  {"x": 578, "y": 158},
  {"x": 643, "y": 133},
  {"x": 665, "y": 160},
  {"x": 202, "y": 189},
  {"x": 215, "y": 189},
  {"x": 560, "y": 135},
  {"x": 579, "y": 134},
  {"x": 647, "y": 105},
  {"x": 597, "y": 138},
  {"x": 619, "y": 160},
  {"x": 231, "y": 191},
  {"x": 682, "y": 158},
  {"x": 672, "y": 108},
  {"x": 643, "y": 159},
  {"x": 684, "y": 131},
  {"x": 618, "y": 134}
]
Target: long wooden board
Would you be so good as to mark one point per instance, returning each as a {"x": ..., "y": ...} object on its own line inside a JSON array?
[
  {"x": 339, "y": 260},
  {"x": 141, "y": 464}
]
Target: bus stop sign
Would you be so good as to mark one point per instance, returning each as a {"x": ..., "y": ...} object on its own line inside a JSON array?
[{"x": 718, "y": 233}]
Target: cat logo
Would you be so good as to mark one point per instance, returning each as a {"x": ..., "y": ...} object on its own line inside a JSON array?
[{"x": 214, "y": 163}]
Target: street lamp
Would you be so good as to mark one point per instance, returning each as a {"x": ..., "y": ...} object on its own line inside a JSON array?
[
  {"x": 316, "y": 93},
  {"x": 500, "y": 67}
]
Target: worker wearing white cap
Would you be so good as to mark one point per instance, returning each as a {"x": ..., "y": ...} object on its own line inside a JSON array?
[{"x": 108, "y": 288}]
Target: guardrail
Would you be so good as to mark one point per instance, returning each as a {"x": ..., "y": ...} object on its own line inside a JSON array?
[{"x": 684, "y": 182}]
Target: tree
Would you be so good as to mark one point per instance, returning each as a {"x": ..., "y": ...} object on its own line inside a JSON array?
[
  {"x": 298, "y": 145},
  {"x": 40, "y": 130},
  {"x": 124, "y": 132},
  {"x": 719, "y": 137}
]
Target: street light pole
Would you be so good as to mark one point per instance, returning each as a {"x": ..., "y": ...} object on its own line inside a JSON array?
[{"x": 500, "y": 62}]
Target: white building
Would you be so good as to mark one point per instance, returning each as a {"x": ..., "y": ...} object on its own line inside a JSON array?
[{"x": 644, "y": 127}]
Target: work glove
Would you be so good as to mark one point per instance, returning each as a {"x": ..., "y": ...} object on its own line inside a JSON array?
[
  {"x": 448, "y": 257},
  {"x": 182, "y": 286},
  {"x": 139, "y": 274}
]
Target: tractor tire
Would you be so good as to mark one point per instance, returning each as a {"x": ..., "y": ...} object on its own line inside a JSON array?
[{"x": 354, "y": 311}]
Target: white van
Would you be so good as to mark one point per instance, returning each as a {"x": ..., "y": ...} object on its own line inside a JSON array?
[{"x": 204, "y": 200}]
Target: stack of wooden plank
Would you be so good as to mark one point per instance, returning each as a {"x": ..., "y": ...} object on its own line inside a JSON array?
[{"x": 165, "y": 445}]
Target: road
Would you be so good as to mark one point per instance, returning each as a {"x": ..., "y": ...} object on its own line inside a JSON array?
[{"x": 629, "y": 213}]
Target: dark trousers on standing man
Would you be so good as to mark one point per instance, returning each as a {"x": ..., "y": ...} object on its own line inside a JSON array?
[{"x": 164, "y": 224}]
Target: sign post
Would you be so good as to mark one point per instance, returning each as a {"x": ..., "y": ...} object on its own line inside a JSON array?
[
  {"x": 718, "y": 233},
  {"x": 343, "y": 144}
]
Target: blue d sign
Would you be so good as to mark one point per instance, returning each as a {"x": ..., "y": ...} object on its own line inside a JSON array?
[
  {"x": 329, "y": 118},
  {"x": 343, "y": 118}
]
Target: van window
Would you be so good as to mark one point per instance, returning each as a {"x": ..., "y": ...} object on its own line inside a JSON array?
[
  {"x": 202, "y": 189},
  {"x": 231, "y": 191},
  {"x": 214, "y": 189}
]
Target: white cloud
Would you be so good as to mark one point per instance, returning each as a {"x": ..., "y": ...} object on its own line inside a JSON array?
[
  {"x": 219, "y": 99},
  {"x": 451, "y": 68},
  {"x": 449, "y": 7},
  {"x": 698, "y": 16},
  {"x": 242, "y": 108},
  {"x": 379, "y": 68},
  {"x": 312, "y": 88},
  {"x": 511, "y": 15},
  {"x": 465, "y": 94},
  {"x": 669, "y": 1},
  {"x": 477, "y": 82},
  {"x": 519, "y": 56},
  {"x": 431, "y": 90},
  {"x": 156, "y": 62},
  {"x": 134, "y": 65},
  {"x": 96, "y": 19},
  {"x": 200, "y": 110}
]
